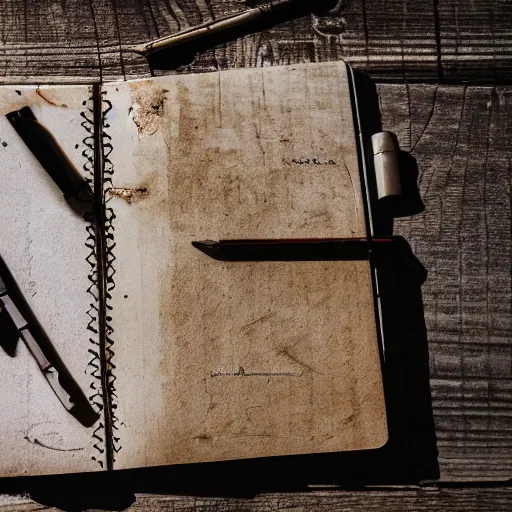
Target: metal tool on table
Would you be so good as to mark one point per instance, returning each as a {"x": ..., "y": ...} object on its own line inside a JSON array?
[
  {"x": 222, "y": 25},
  {"x": 56, "y": 163},
  {"x": 396, "y": 176}
]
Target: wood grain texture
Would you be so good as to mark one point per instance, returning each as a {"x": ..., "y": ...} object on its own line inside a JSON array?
[
  {"x": 460, "y": 138},
  {"x": 391, "y": 39},
  {"x": 418, "y": 500}
]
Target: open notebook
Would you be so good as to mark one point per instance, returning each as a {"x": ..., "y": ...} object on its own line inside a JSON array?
[{"x": 185, "y": 358}]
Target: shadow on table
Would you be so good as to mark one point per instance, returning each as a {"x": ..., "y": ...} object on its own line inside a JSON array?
[{"x": 410, "y": 456}]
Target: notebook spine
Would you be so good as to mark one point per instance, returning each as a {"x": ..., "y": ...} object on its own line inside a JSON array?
[
  {"x": 98, "y": 169},
  {"x": 94, "y": 368},
  {"x": 110, "y": 244}
]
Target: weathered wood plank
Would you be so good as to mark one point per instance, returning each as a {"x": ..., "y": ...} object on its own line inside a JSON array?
[
  {"x": 475, "y": 39},
  {"x": 46, "y": 39},
  {"x": 399, "y": 500},
  {"x": 418, "y": 500},
  {"x": 391, "y": 39},
  {"x": 460, "y": 137}
]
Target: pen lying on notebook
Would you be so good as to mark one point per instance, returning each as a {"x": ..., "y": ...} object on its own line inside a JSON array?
[
  {"x": 55, "y": 162},
  {"x": 314, "y": 249},
  {"x": 30, "y": 332}
]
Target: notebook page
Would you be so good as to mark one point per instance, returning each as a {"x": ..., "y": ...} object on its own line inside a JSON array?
[
  {"x": 43, "y": 242},
  {"x": 219, "y": 360}
]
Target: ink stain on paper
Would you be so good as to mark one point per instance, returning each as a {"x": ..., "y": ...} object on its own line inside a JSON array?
[
  {"x": 309, "y": 161},
  {"x": 46, "y": 435}
]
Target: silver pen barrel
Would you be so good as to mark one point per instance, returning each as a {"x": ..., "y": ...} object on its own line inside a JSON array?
[
  {"x": 214, "y": 27},
  {"x": 48, "y": 370}
]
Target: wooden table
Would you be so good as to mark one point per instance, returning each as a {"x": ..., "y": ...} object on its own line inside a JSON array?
[{"x": 443, "y": 70}]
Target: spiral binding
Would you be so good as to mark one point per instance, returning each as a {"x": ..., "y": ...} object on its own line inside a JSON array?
[
  {"x": 96, "y": 395},
  {"x": 97, "y": 390},
  {"x": 108, "y": 172}
]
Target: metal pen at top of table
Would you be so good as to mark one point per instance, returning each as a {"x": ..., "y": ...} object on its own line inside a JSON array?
[{"x": 226, "y": 23}]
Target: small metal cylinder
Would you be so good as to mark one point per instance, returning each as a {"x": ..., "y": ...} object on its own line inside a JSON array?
[{"x": 386, "y": 164}]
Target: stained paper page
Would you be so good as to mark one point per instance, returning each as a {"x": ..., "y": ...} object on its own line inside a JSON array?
[
  {"x": 220, "y": 360},
  {"x": 48, "y": 250}
]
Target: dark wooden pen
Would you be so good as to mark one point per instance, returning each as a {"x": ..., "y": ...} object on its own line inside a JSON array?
[{"x": 312, "y": 249}]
